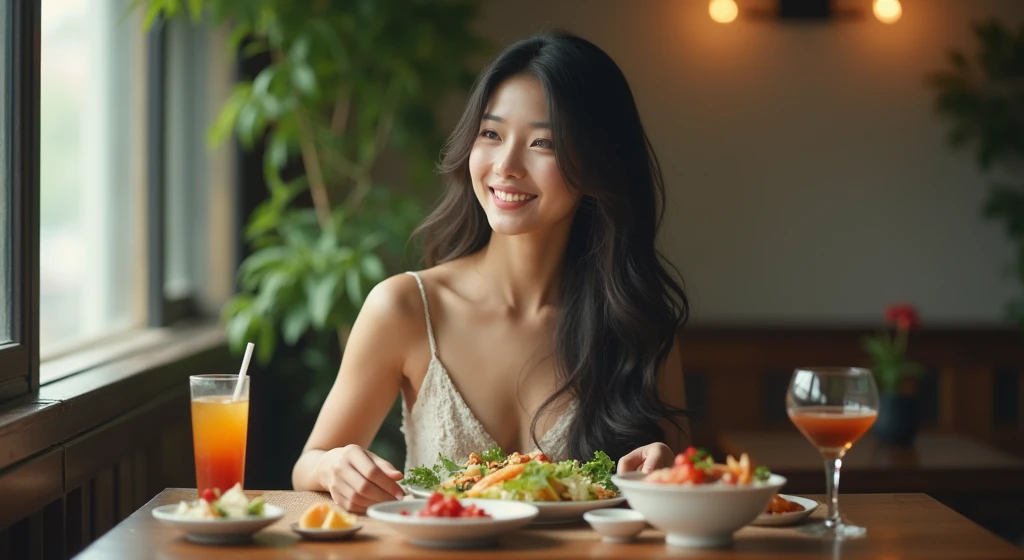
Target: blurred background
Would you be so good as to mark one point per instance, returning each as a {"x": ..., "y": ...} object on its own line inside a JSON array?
[{"x": 249, "y": 169}]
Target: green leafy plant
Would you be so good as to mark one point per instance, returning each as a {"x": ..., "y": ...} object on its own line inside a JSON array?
[
  {"x": 982, "y": 96},
  {"x": 345, "y": 81},
  {"x": 888, "y": 351}
]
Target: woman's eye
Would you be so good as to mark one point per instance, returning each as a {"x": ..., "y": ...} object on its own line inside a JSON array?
[
  {"x": 543, "y": 143},
  {"x": 488, "y": 133}
]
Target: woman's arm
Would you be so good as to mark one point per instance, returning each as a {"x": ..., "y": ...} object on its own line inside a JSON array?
[
  {"x": 672, "y": 393},
  {"x": 334, "y": 458}
]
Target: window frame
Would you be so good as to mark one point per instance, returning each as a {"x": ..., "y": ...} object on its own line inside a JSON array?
[
  {"x": 162, "y": 313},
  {"x": 19, "y": 359}
]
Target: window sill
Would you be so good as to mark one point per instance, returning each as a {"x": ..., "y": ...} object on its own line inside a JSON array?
[{"x": 82, "y": 395}]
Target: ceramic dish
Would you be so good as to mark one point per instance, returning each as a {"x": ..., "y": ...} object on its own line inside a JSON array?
[
  {"x": 780, "y": 519},
  {"x": 217, "y": 531},
  {"x": 464, "y": 532}
]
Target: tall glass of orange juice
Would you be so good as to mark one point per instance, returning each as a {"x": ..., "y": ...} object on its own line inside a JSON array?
[
  {"x": 833, "y": 407},
  {"x": 219, "y": 426}
]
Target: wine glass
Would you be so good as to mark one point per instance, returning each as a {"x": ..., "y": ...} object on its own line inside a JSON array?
[{"x": 833, "y": 407}]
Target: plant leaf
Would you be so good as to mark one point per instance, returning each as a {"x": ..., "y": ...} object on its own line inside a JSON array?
[{"x": 320, "y": 293}]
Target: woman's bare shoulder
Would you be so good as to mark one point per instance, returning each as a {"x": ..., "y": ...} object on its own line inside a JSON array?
[{"x": 395, "y": 301}]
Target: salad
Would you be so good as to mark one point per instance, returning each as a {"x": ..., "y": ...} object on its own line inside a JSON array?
[
  {"x": 528, "y": 478},
  {"x": 233, "y": 504},
  {"x": 696, "y": 466}
]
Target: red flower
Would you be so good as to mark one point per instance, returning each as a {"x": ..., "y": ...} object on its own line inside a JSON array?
[{"x": 903, "y": 315}]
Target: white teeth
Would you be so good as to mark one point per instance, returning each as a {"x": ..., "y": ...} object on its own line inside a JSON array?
[{"x": 509, "y": 197}]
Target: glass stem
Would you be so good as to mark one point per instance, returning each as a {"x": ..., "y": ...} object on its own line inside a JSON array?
[{"x": 832, "y": 467}]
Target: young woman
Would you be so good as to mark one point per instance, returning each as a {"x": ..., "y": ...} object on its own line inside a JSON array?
[{"x": 545, "y": 319}]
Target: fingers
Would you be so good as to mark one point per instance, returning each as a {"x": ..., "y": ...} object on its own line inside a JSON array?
[
  {"x": 351, "y": 500},
  {"x": 358, "y": 479},
  {"x": 377, "y": 483},
  {"x": 390, "y": 471},
  {"x": 363, "y": 487},
  {"x": 657, "y": 456},
  {"x": 630, "y": 461}
]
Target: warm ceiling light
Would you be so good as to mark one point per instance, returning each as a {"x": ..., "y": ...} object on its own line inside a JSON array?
[
  {"x": 723, "y": 11},
  {"x": 887, "y": 11}
]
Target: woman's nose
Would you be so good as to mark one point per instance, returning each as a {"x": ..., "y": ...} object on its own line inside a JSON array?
[{"x": 509, "y": 163}]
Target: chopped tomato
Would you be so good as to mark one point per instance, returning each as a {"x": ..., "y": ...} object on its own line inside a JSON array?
[
  {"x": 209, "y": 495},
  {"x": 439, "y": 505},
  {"x": 542, "y": 458}
]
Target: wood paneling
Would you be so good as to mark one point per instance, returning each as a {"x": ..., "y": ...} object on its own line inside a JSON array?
[
  {"x": 116, "y": 437},
  {"x": 737, "y": 371}
]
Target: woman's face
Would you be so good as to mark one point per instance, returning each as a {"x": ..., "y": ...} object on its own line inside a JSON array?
[{"x": 512, "y": 163}]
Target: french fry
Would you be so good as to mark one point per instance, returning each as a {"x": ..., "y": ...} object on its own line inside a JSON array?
[
  {"x": 496, "y": 477},
  {"x": 745, "y": 474}
]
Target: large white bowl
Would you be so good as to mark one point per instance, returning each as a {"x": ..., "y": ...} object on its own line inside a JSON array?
[
  {"x": 440, "y": 532},
  {"x": 697, "y": 516}
]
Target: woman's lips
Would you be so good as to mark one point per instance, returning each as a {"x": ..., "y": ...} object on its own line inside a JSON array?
[{"x": 510, "y": 200}]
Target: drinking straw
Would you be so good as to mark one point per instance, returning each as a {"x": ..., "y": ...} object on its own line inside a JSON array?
[{"x": 241, "y": 372}]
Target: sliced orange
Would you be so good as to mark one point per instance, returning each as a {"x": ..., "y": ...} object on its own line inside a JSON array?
[
  {"x": 314, "y": 517},
  {"x": 338, "y": 519}
]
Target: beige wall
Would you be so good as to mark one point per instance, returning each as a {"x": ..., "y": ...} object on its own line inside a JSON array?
[{"x": 808, "y": 178}]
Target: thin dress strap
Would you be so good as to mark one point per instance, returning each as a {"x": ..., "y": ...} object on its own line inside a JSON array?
[{"x": 426, "y": 310}]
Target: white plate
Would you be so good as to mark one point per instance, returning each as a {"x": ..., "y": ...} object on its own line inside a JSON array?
[
  {"x": 440, "y": 532},
  {"x": 217, "y": 531},
  {"x": 550, "y": 512},
  {"x": 327, "y": 534},
  {"x": 777, "y": 519}
]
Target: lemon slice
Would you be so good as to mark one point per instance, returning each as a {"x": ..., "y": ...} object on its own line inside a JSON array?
[
  {"x": 338, "y": 519},
  {"x": 326, "y": 516}
]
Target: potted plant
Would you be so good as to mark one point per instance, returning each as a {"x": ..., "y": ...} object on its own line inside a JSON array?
[
  {"x": 982, "y": 97},
  {"x": 896, "y": 377},
  {"x": 344, "y": 82}
]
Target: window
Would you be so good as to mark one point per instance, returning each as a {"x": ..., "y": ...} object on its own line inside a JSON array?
[
  {"x": 18, "y": 187},
  {"x": 6, "y": 233},
  {"x": 199, "y": 260},
  {"x": 92, "y": 175},
  {"x": 121, "y": 213}
]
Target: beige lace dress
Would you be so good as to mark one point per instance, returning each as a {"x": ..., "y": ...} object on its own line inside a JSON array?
[{"x": 441, "y": 422}]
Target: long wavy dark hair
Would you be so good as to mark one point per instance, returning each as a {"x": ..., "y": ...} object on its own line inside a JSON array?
[{"x": 621, "y": 304}]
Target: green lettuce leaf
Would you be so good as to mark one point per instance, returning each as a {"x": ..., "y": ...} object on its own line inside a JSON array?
[
  {"x": 600, "y": 470},
  {"x": 493, "y": 454},
  {"x": 423, "y": 477},
  {"x": 533, "y": 479}
]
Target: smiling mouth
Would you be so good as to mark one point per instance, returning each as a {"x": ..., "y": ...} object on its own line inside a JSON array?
[{"x": 512, "y": 197}]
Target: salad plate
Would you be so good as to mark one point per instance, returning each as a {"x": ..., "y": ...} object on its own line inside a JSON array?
[
  {"x": 217, "y": 531},
  {"x": 561, "y": 491},
  {"x": 231, "y": 517},
  {"x": 548, "y": 512},
  {"x": 404, "y": 517}
]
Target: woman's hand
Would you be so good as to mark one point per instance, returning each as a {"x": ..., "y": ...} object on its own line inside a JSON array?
[
  {"x": 646, "y": 459},
  {"x": 357, "y": 479}
]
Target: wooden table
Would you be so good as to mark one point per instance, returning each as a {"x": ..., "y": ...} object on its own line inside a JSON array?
[
  {"x": 899, "y": 526},
  {"x": 945, "y": 462}
]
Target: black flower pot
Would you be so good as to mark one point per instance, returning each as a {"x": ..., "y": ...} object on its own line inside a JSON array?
[{"x": 897, "y": 420}]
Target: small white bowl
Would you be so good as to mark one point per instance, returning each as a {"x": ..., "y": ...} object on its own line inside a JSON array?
[
  {"x": 327, "y": 534},
  {"x": 700, "y": 516},
  {"x": 616, "y": 525}
]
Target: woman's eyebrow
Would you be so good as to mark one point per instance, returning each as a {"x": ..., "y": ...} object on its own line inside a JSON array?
[{"x": 496, "y": 118}]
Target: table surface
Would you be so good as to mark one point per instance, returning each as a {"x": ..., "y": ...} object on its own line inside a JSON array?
[{"x": 899, "y": 526}]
